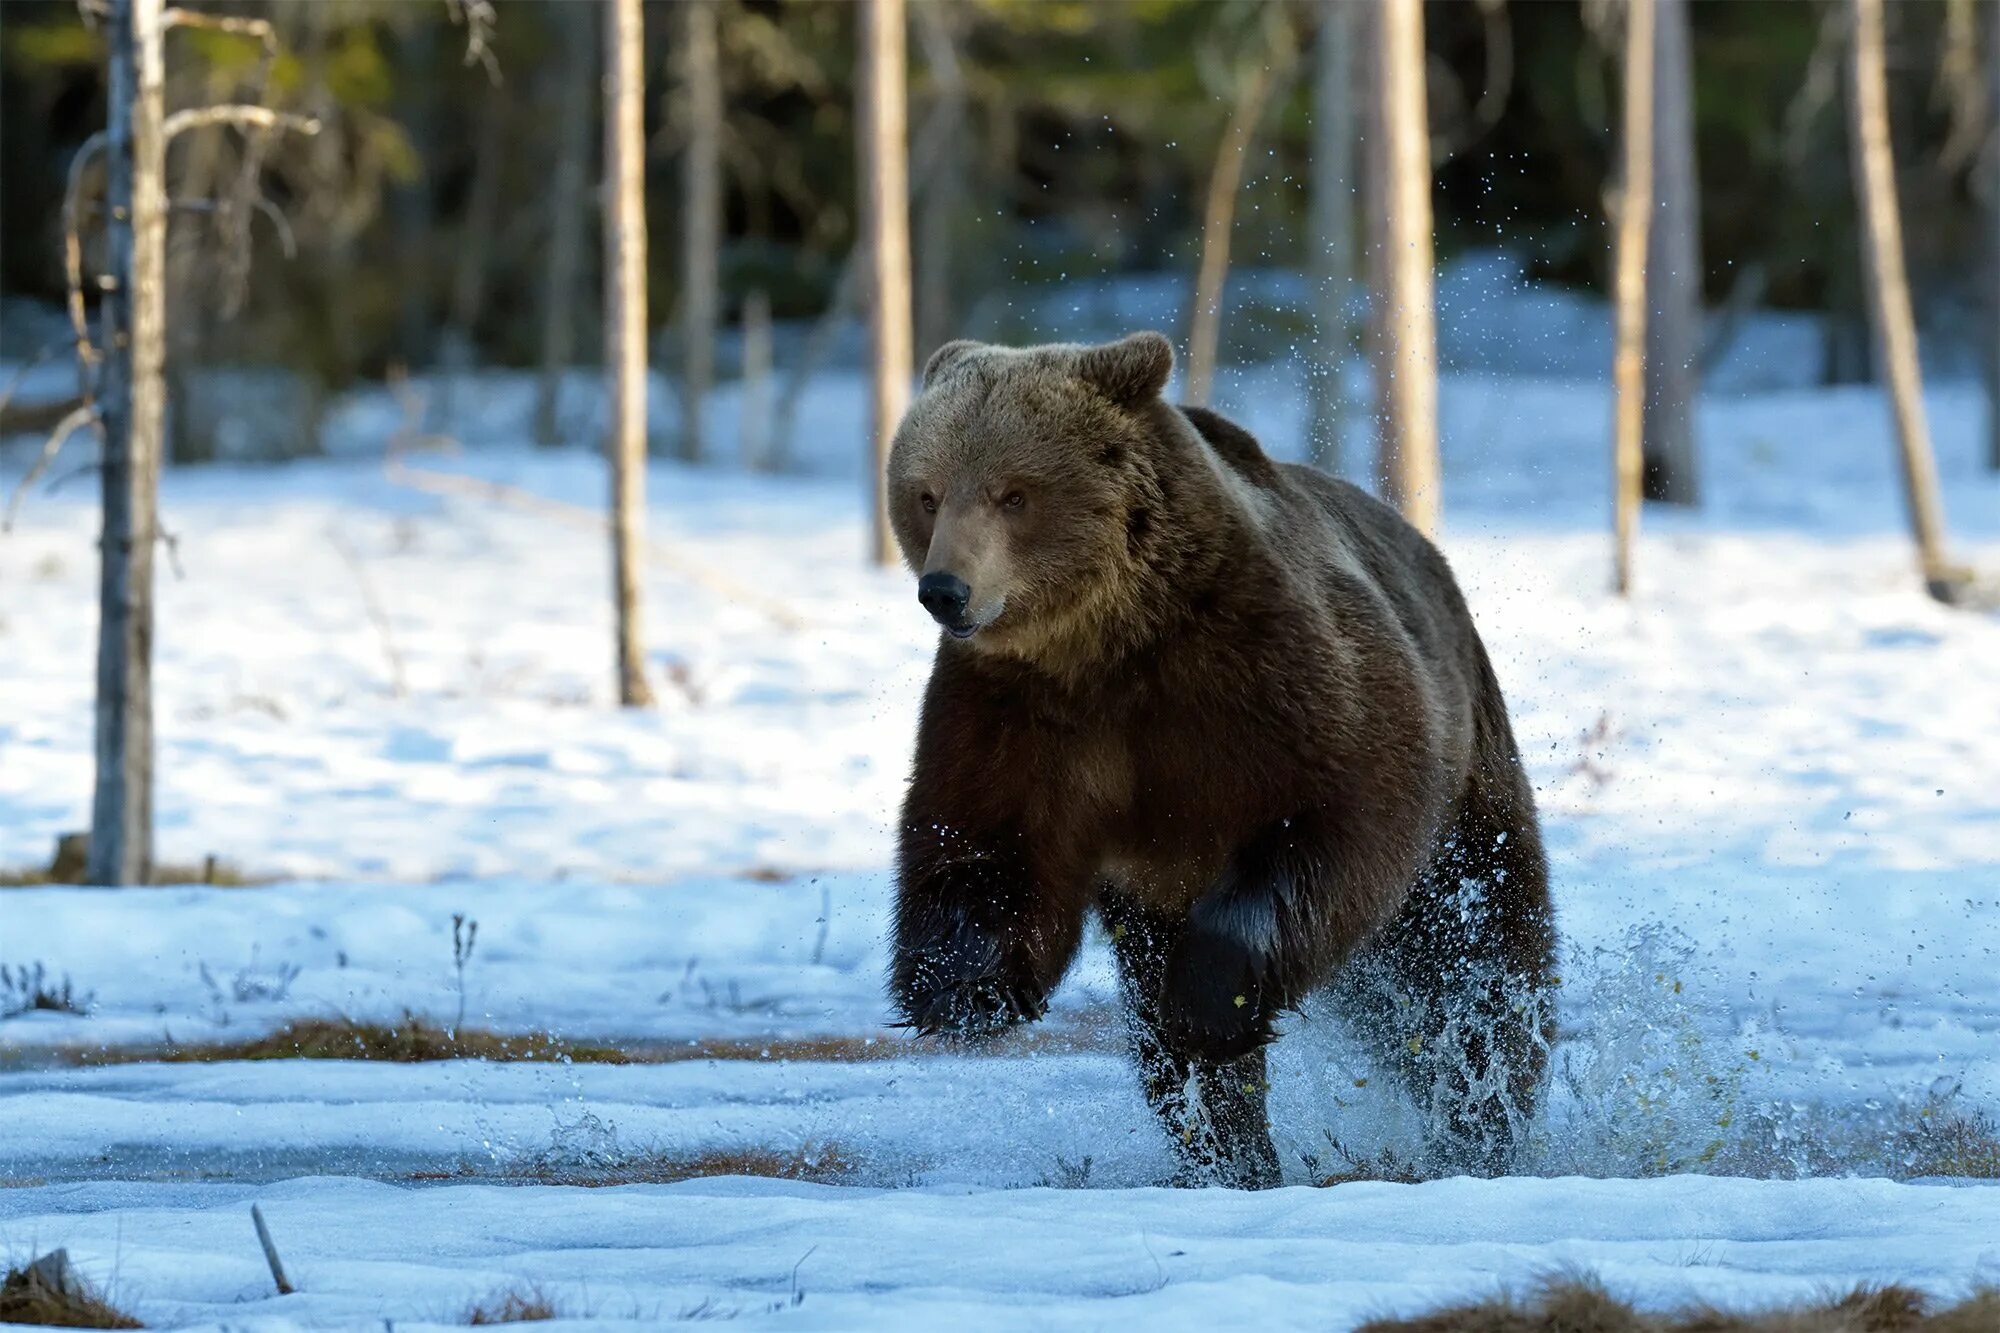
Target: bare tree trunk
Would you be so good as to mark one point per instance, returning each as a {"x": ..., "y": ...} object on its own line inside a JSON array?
[
  {"x": 625, "y": 329},
  {"x": 1331, "y": 229},
  {"x": 885, "y": 227},
  {"x": 133, "y": 392},
  {"x": 1635, "y": 210},
  {"x": 412, "y": 201},
  {"x": 1225, "y": 177},
  {"x": 190, "y": 281},
  {"x": 475, "y": 248},
  {"x": 755, "y": 413},
  {"x": 567, "y": 207},
  {"x": 1993, "y": 238},
  {"x": 1673, "y": 270},
  {"x": 329, "y": 174},
  {"x": 927, "y": 159},
  {"x": 940, "y": 195},
  {"x": 701, "y": 220},
  {"x": 1889, "y": 293},
  {"x": 1407, "y": 362},
  {"x": 1374, "y": 227},
  {"x": 3, "y": 101}
]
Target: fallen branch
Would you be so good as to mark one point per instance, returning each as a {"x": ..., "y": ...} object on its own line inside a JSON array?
[
  {"x": 238, "y": 114},
  {"x": 79, "y": 314},
  {"x": 240, "y": 27},
  {"x": 14, "y": 381},
  {"x": 34, "y": 418},
  {"x": 79, "y": 416}
]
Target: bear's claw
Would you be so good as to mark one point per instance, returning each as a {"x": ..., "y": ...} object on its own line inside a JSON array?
[
  {"x": 973, "y": 1008},
  {"x": 962, "y": 987}
]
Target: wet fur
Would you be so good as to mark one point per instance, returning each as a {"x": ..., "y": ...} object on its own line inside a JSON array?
[{"x": 1237, "y": 708}]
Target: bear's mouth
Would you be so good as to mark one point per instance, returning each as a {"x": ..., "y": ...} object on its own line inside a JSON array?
[{"x": 974, "y": 621}]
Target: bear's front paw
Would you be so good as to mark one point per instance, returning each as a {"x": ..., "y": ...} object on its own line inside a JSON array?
[
  {"x": 973, "y": 1008},
  {"x": 1213, "y": 1000},
  {"x": 961, "y": 988}
]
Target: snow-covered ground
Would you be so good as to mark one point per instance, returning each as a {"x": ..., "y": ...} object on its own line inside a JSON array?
[
  {"x": 1771, "y": 785},
  {"x": 781, "y": 1254}
]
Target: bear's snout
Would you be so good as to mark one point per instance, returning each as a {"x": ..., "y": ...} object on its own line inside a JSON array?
[{"x": 945, "y": 596}]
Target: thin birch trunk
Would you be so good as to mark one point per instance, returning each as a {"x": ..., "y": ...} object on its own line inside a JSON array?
[
  {"x": 1407, "y": 363},
  {"x": 885, "y": 226},
  {"x": 701, "y": 219},
  {"x": 625, "y": 330},
  {"x": 940, "y": 197},
  {"x": 927, "y": 162},
  {"x": 1635, "y": 208},
  {"x": 1673, "y": 270},
  {"x": 1332, "y": 229},
  {"x": 1889, "y": 293},
  {"x": 1225, "y": 178},
  {"x": 755, "y": 414},
  {"x": 132, "y": 401},
  {"x": 568, "y": 206}
]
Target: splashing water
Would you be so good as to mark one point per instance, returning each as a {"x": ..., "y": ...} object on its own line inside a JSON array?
[{"x": 1653, "y": 1072}]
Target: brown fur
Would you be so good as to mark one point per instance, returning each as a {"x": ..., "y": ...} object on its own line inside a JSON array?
[
  {"x": 1237, "y": 708},
  {"x": 1572, "y": 1306}
]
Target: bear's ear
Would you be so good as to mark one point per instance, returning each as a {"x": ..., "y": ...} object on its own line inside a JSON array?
[
  {"x": 947, "y": 356},
  {"x": 1133, "y": 368}
]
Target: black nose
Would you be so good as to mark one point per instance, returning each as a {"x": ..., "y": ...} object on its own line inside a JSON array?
[{"x": 944, "y": 596}]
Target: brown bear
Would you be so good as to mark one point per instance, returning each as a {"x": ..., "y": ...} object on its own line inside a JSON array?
[{"x": 1236, "y": 708}]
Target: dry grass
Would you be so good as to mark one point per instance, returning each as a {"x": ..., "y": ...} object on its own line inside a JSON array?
[
  {"x": 1580, "y": 1305},
  {"x": 66, "y": 866},
  {"x": 1943, "y": 1140},
  {"x": 26, "y": 1299},
  {"x": 414, "y": 1040},
  {"x": 29, "y": 988},
  {"x": 530, "y": 1306}
]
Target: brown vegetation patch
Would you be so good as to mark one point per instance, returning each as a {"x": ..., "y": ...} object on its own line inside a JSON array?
[
  {"x": 1572, "y": 1305},
  {"x": 72, "y": 850},
  {"x": 531, "y": 1306},
  {"x": 414, "y": 1040},
  {"x": 410, "y": 1041},
  {"x": 32, "y": 1296}
]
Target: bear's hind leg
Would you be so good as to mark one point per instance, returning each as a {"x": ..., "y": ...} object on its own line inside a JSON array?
[
  {"x": 1221, "y": 1135},
  {"x": 1463, "y": 980}
]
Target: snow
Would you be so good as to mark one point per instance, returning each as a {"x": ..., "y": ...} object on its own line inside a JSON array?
[
  {"x": 807, "y": 1256},
  {"x": 1768, "y": 783}
]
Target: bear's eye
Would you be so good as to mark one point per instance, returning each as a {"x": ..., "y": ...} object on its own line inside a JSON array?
[
  {"x": 930, "y": 503},
  {"x": 1014, "y": 500}
]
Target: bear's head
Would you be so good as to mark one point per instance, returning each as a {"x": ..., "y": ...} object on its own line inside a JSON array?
[{"x": 1023, "y": 485}]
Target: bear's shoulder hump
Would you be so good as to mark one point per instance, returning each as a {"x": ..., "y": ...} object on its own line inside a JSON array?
[{"x": 1234, "y": 445}]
